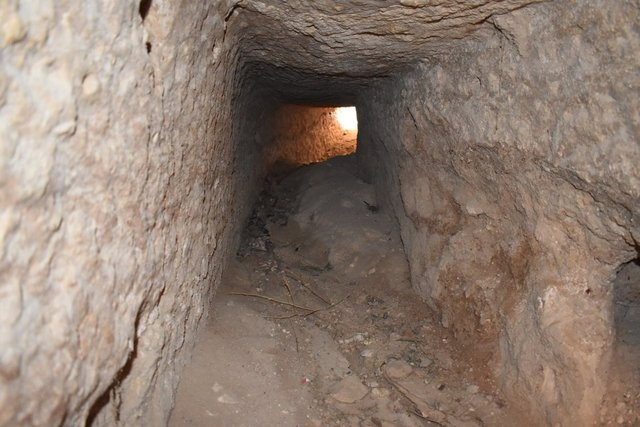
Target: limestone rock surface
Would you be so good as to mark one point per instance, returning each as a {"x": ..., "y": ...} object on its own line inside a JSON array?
[{"x": 504, "y": 135}]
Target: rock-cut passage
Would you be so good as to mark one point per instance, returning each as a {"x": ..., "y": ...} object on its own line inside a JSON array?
[
  {"x": 471, "y": 260},
  {"x": 316, "y": 323},
  {"x": 622, "y": 394},
  {"x": 304, "y": 135}
]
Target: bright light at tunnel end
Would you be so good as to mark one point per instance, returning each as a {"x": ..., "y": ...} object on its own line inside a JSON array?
[{"x": 347, "y": 118}]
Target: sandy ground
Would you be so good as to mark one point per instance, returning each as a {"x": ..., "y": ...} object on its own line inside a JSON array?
[
  {"x": 316, "y": 324},
  {"x": 622, "y": 400}
]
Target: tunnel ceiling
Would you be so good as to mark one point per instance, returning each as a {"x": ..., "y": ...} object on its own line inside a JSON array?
[
  {"x": 357, "y": 38},
  {"x": 325, "y": 52},
  {"x": 297, "y": 86}
]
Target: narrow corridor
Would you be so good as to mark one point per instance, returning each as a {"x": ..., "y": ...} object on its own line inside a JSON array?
[{"x": 316, "y": 323}]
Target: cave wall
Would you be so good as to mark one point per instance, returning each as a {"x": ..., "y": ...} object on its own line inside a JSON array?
[
  {"x": 512, "y": 165},
  {"x": 504, "y": 135},
  {"x": 304, "y": 135},
  {"x": 124, "y": 178}
]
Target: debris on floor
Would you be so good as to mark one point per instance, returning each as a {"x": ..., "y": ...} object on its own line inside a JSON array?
[{"x": 317, "y": 324}]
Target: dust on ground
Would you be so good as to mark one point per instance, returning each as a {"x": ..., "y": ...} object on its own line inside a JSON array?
[
  {"x": 316, "y": 323},
  {"x": 621, "y": 404}
]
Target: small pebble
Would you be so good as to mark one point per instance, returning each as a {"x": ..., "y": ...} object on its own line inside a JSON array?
[
  {"x": 425, "y": 362},
  {"x": 349, "y": 390},
  {"x": 398, "y": 369},
  {"x": 473, "y": 389},
  {"x": 380, "y": 392},
  {"x": 225, "y": 398}
]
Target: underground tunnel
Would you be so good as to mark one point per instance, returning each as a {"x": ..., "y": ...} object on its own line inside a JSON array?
[{"x": 189, "y": 235}]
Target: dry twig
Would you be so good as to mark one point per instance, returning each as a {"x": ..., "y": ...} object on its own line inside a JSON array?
[
  {"x": 314, "y": 311},
  {"x": 410, "y": 340},
  {"x": 421, "y": 408},
  {"x": 277, "y": 301},
  {"x": 295, "y": 335},
  {"x": 286, "y": 285},
  {"x": 307, "y": 287}
]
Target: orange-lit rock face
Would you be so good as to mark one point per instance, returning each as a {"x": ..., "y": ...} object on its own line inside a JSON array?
[{"x": 304, "y": 135}]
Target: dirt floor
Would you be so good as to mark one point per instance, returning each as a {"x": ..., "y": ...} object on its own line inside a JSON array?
[
  {"x": 316, "y": 324},
  {"x": 622, "y": 400}
]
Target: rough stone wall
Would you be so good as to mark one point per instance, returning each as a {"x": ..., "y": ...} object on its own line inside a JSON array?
[
  {"x": 304, "y": 135},
  {"x": 122, "y": 170},
  {"x": 356, "y": 38},
  {"x": 513, "y": 166},
  {"x": 129, "y": 148}
]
